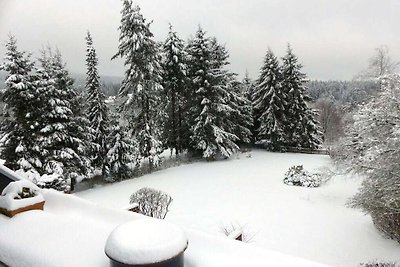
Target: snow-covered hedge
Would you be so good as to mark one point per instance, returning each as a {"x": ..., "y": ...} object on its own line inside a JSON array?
[
  {"x": 296, "y": 175},
  {"x": 153, "y": 203},
  {"x": 49, "y": 181}
]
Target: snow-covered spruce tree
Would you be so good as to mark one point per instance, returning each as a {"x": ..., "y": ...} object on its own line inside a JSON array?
[
  {"x": 269, "y": 103},
  {"x": 238, "y": 119},
  {"x": 242, "y": 112},
  {"x": 19, "y": 130},
  {"x": 175, "y": 85},
  {"x": 211, "y": 126},
  {"x": 142, "y": 82},
  {"x": 302, "y": 128},
  {"x": 248, "y": 87},
  {"x": 97, "y": 110},
  {"x": 372, "y": 147},
  {"x": 121, "y": 158},
  {"x": 64, "y": 137}
]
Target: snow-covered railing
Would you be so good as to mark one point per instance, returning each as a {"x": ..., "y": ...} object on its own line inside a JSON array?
[
  {"x": 134, "y": 207},
  {"x": 307, "y": 151},
  {"x": 7, "y": 176},
  {"x": 236, "y": 235}
]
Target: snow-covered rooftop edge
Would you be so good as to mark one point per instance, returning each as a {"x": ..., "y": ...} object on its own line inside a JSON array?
[{"x": 73, "y": 232}]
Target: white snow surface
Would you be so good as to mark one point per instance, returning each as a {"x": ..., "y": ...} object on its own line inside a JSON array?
[
  {"x": 9, "y": 198},
  {"x": 145, "y": 241},
  {"x": 311, "y": 223},
  {"x": 72, "y": 232}
]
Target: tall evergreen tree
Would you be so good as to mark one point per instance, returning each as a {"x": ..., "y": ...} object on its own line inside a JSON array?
[
  {"x": 142, "y": 82},
  {"x": 302, "y": 126},
  {"x": 97, "y": 110},
  {"x": 63, "y": 141},
  {"x": 248, "y": 87},
  {"x": 210, "y": 112},
  {"x": 269, "y": 101},
  {"x": 175, "y": 84},
  {"x": 242, "y": 112},
  {"x": 21, "y": 97}
]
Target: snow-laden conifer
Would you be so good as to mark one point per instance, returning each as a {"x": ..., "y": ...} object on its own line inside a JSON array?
[
  {"x": 211, "y": 131},
  {"x": 242, "y": 112},
  {"x": 302, "y": 127},
  {"x": 175, "y": 86},
  {"x": 20, "y": 95},
  {"x": 121, "y": 155},
  {"x": 97, "y": 110},
  {"x": 64, "y": 136},
  {"x": 141, "y": 86},
  {"x": 269, "y": 102}
]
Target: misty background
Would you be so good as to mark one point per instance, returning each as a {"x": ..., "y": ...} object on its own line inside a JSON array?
[{"x": 333, "y": 39}]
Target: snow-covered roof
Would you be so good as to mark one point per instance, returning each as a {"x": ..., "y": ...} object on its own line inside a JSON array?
[
  {"x": 7, "y": 176},
  {"x": 73, "y": 232}
]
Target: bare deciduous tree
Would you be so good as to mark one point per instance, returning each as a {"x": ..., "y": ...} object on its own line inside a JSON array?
[
  {"x": 380, "y": 64},
  {"x": 330, "y": 118}
]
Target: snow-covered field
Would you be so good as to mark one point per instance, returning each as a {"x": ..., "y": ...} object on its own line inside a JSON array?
[{"x": 312, "y": 223}]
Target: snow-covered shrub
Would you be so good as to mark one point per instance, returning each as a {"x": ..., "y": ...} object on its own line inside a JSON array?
[
  {"x": 48, "y": 181},
  {"x": 372, "y": 148},
  {"x": 54, "y": 181},
  {"x": 296, "y": 175},
  {"x": 237, "y": 232},
  {"x": 379, "y": 264},
  {"x": 152, "y": 202}
]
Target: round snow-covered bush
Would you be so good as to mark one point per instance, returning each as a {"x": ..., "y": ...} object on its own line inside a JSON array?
[{"x": 296, "y": 175}]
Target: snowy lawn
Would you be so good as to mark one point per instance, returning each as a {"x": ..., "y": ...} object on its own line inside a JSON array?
[{"x": 311, "y": 223}]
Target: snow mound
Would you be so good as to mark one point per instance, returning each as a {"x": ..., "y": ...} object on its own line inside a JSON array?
[
  {"x": 145, "y": 241},
  {"x": 11, "y": 199}
]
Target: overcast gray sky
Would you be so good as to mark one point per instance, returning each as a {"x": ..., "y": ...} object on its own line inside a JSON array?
[{"x": 333, "y": 38}]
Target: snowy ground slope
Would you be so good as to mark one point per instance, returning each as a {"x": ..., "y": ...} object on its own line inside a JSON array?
[
  {"x": 311, "y": 223},
  {"x": 71, "y": 232}
]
